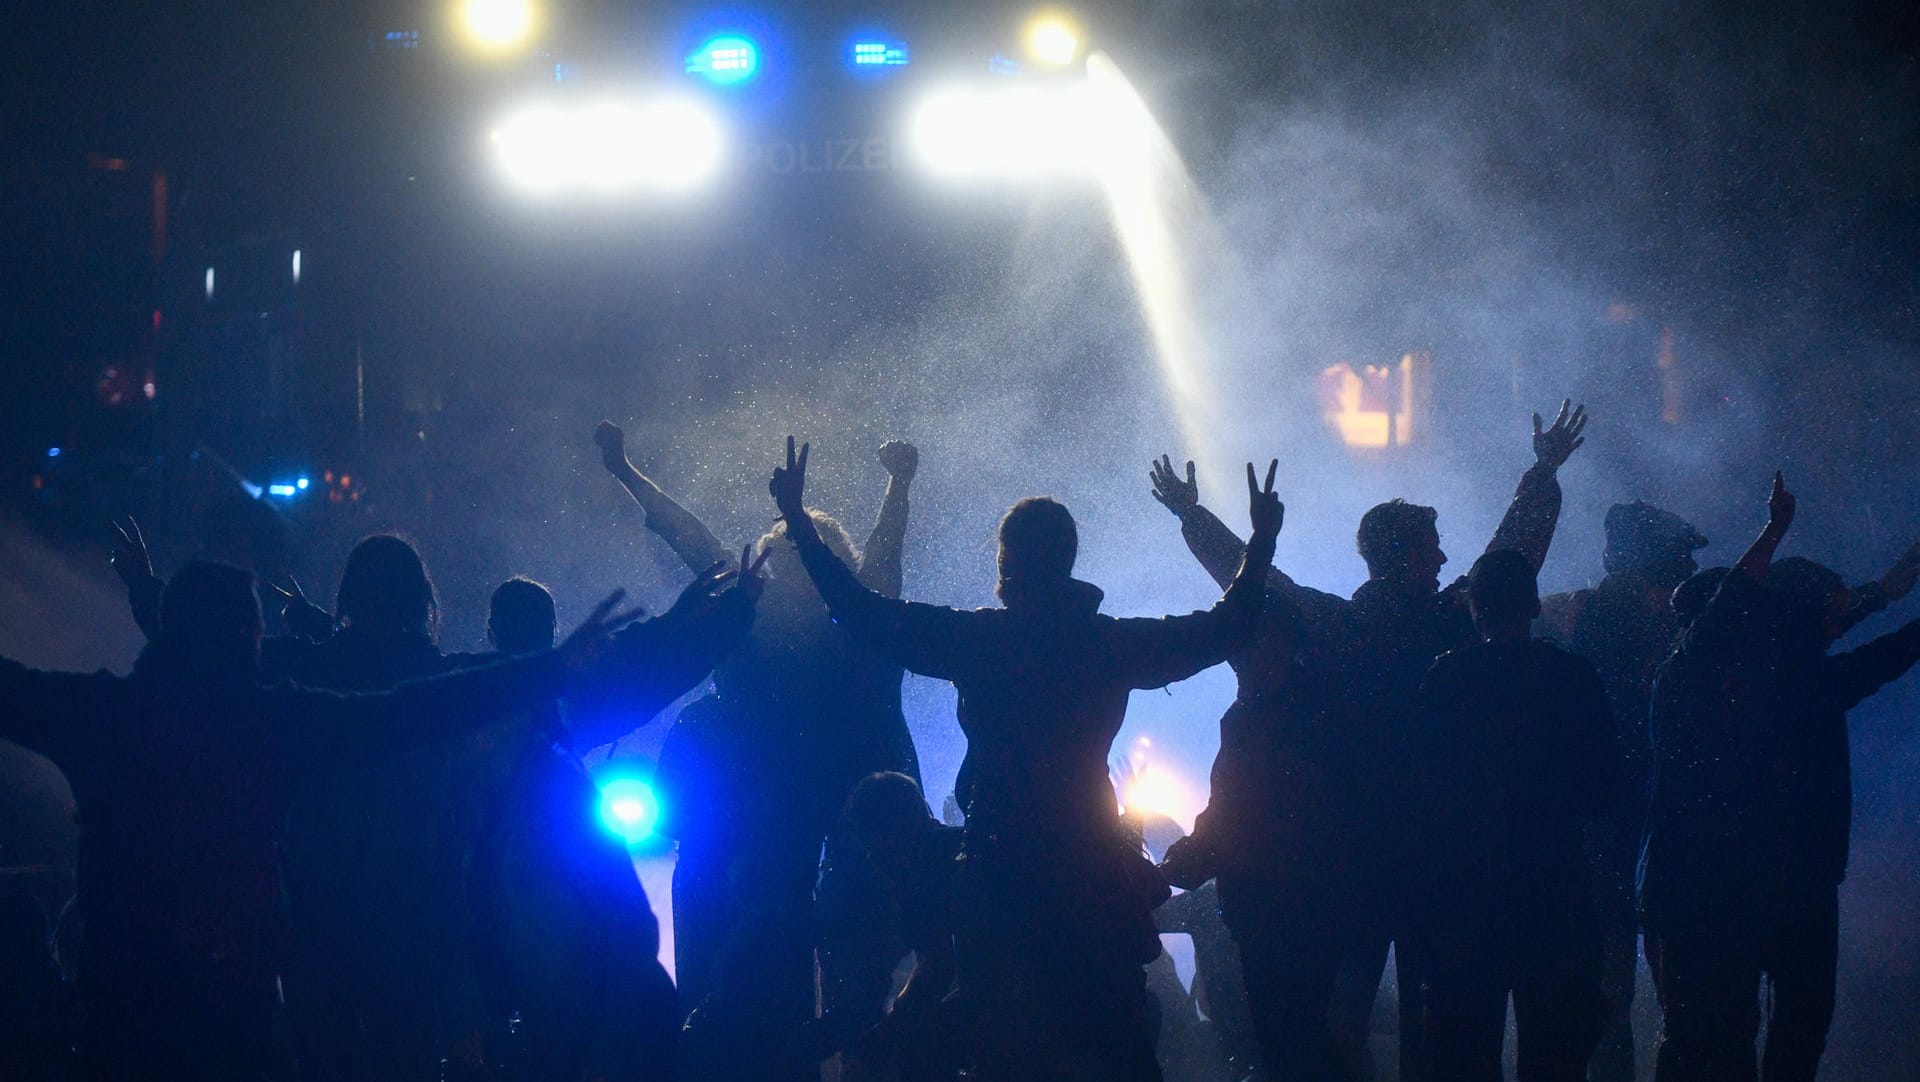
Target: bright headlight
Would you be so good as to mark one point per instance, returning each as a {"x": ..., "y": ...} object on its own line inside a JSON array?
[
  {"x": 1052, "y": 39},
  {"x": 497, "y": 25},
  {"x": 670, "y": 144},
  {"x": 1010, "y": 132}
]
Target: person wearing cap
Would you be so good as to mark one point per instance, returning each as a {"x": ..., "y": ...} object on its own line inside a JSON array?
[{"x": 1625, "y": 627}]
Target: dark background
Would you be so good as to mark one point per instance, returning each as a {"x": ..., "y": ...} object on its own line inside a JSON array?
[{"x": 1698, "y": 218}]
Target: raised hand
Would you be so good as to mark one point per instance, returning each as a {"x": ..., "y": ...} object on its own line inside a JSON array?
[
  {"x": 304, "y": 617},
  {"x": 130, "y": 559},
  {"x": 751, "y": 578},
  {"x": 1780, "y": 505},
  {"x": 589, "y": 641},
  {"x": 902, "y": 459},
  {"x": 789, "y": 483},
  {"x": 1174, "y": 494},
  {"x": 1554, "y": 446},
  {"x": 613, "y": 446},
  {"x": 1263, "y": 504},
  {"x": 702, "y": 593}
]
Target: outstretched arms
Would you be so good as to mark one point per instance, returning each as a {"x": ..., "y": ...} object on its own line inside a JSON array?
[
  {"x": 1158, "y": 652},
  {"x": 683, "y": 531},
  {"x": 1533, "y": 515},
  {"x": 319, "y": 730},
  {"x": 880, "y": 560},
  {"x": 57, "y": 714},
  {"x": 928, "y": 639},
  {"x": 652, "y": 663}
]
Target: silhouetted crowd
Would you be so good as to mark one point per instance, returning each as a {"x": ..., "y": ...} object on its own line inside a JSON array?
[{"x": 341, "y": 853}]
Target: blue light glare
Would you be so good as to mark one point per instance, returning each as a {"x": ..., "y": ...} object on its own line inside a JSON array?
[
  {"x": 879, "y": 54},
  {"x": 281, "y": 490},
  {"x": 629, "y": 809},
  {"x": 302, "y": 484},
  {"x": 53, "y": 452},
  {"x": 725, "y": 60}
]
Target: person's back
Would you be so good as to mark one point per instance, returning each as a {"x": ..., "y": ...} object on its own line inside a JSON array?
[
  {"x": 373, "y": 864},
  {"x": 1041, "y": 701},
  {"x": 1512, "y": 747},
  {"x": 800, "y": 713},
  {"x": 553, "y": 897},
  {"x": 1055, "y": 902},
  {"x": 1511, "y": 752}
]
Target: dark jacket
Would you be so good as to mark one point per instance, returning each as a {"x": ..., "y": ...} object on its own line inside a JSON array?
[
  {"x": 1043, "y": 685},
  {"x": 1753, "y": 792},
  {"x": 1512, "y": 747},
  {"x": 182, "y": 783},
  {"x": 1319, "y": 798},
  {"x": 1626, "y": 636}
]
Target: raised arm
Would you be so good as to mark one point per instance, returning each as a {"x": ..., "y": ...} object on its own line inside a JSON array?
[
  {"x": 1533, "y": 515},
  {"x": 683, "y": 531},
  {"x": 1211, "y": 541},
  {"x": 1870, "y": 597},
  {"x": 320, "y": 731},
  {"x": 135, "y": 568},
  {"x": 1154, "y": 653},
  {"x": 880, "y": 568},
  {"x": 928, "y": 639},
  {"x": 1781, "y": 504},
  {"x": 1219, "y": 549}
]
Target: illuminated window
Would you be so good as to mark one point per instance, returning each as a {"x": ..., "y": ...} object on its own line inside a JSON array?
[{"x": 1375, "y": 405}]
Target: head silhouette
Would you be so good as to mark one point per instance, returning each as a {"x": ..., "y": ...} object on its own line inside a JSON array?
[
  {"x": 1401, "y": 545},
  {"x": 1038, "y": 543},
  {"x": 210, "y": 618},
  {"x": 385, "y": 589},
  {"x": 790, "y": 591},
  {"x": 1503, "y": 592},
  {"x": 1652, "y": 542},
  {"x": 520, "y": 619}
]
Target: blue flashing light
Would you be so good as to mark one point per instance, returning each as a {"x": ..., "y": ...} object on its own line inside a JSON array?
[
  {"x": 302, "y": 484},
  {"x": 629, "y": 809},
  {"x": 282, "y": 490},
  {"x": 53, "y": 452},
  {"x": 879, "y": 54},
  {"x": 725, "y": 60}
]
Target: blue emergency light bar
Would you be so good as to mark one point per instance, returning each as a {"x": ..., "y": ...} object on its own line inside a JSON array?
[
  {"x": 725, "y": 60},
  {"x": 879, "y": 54}
]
